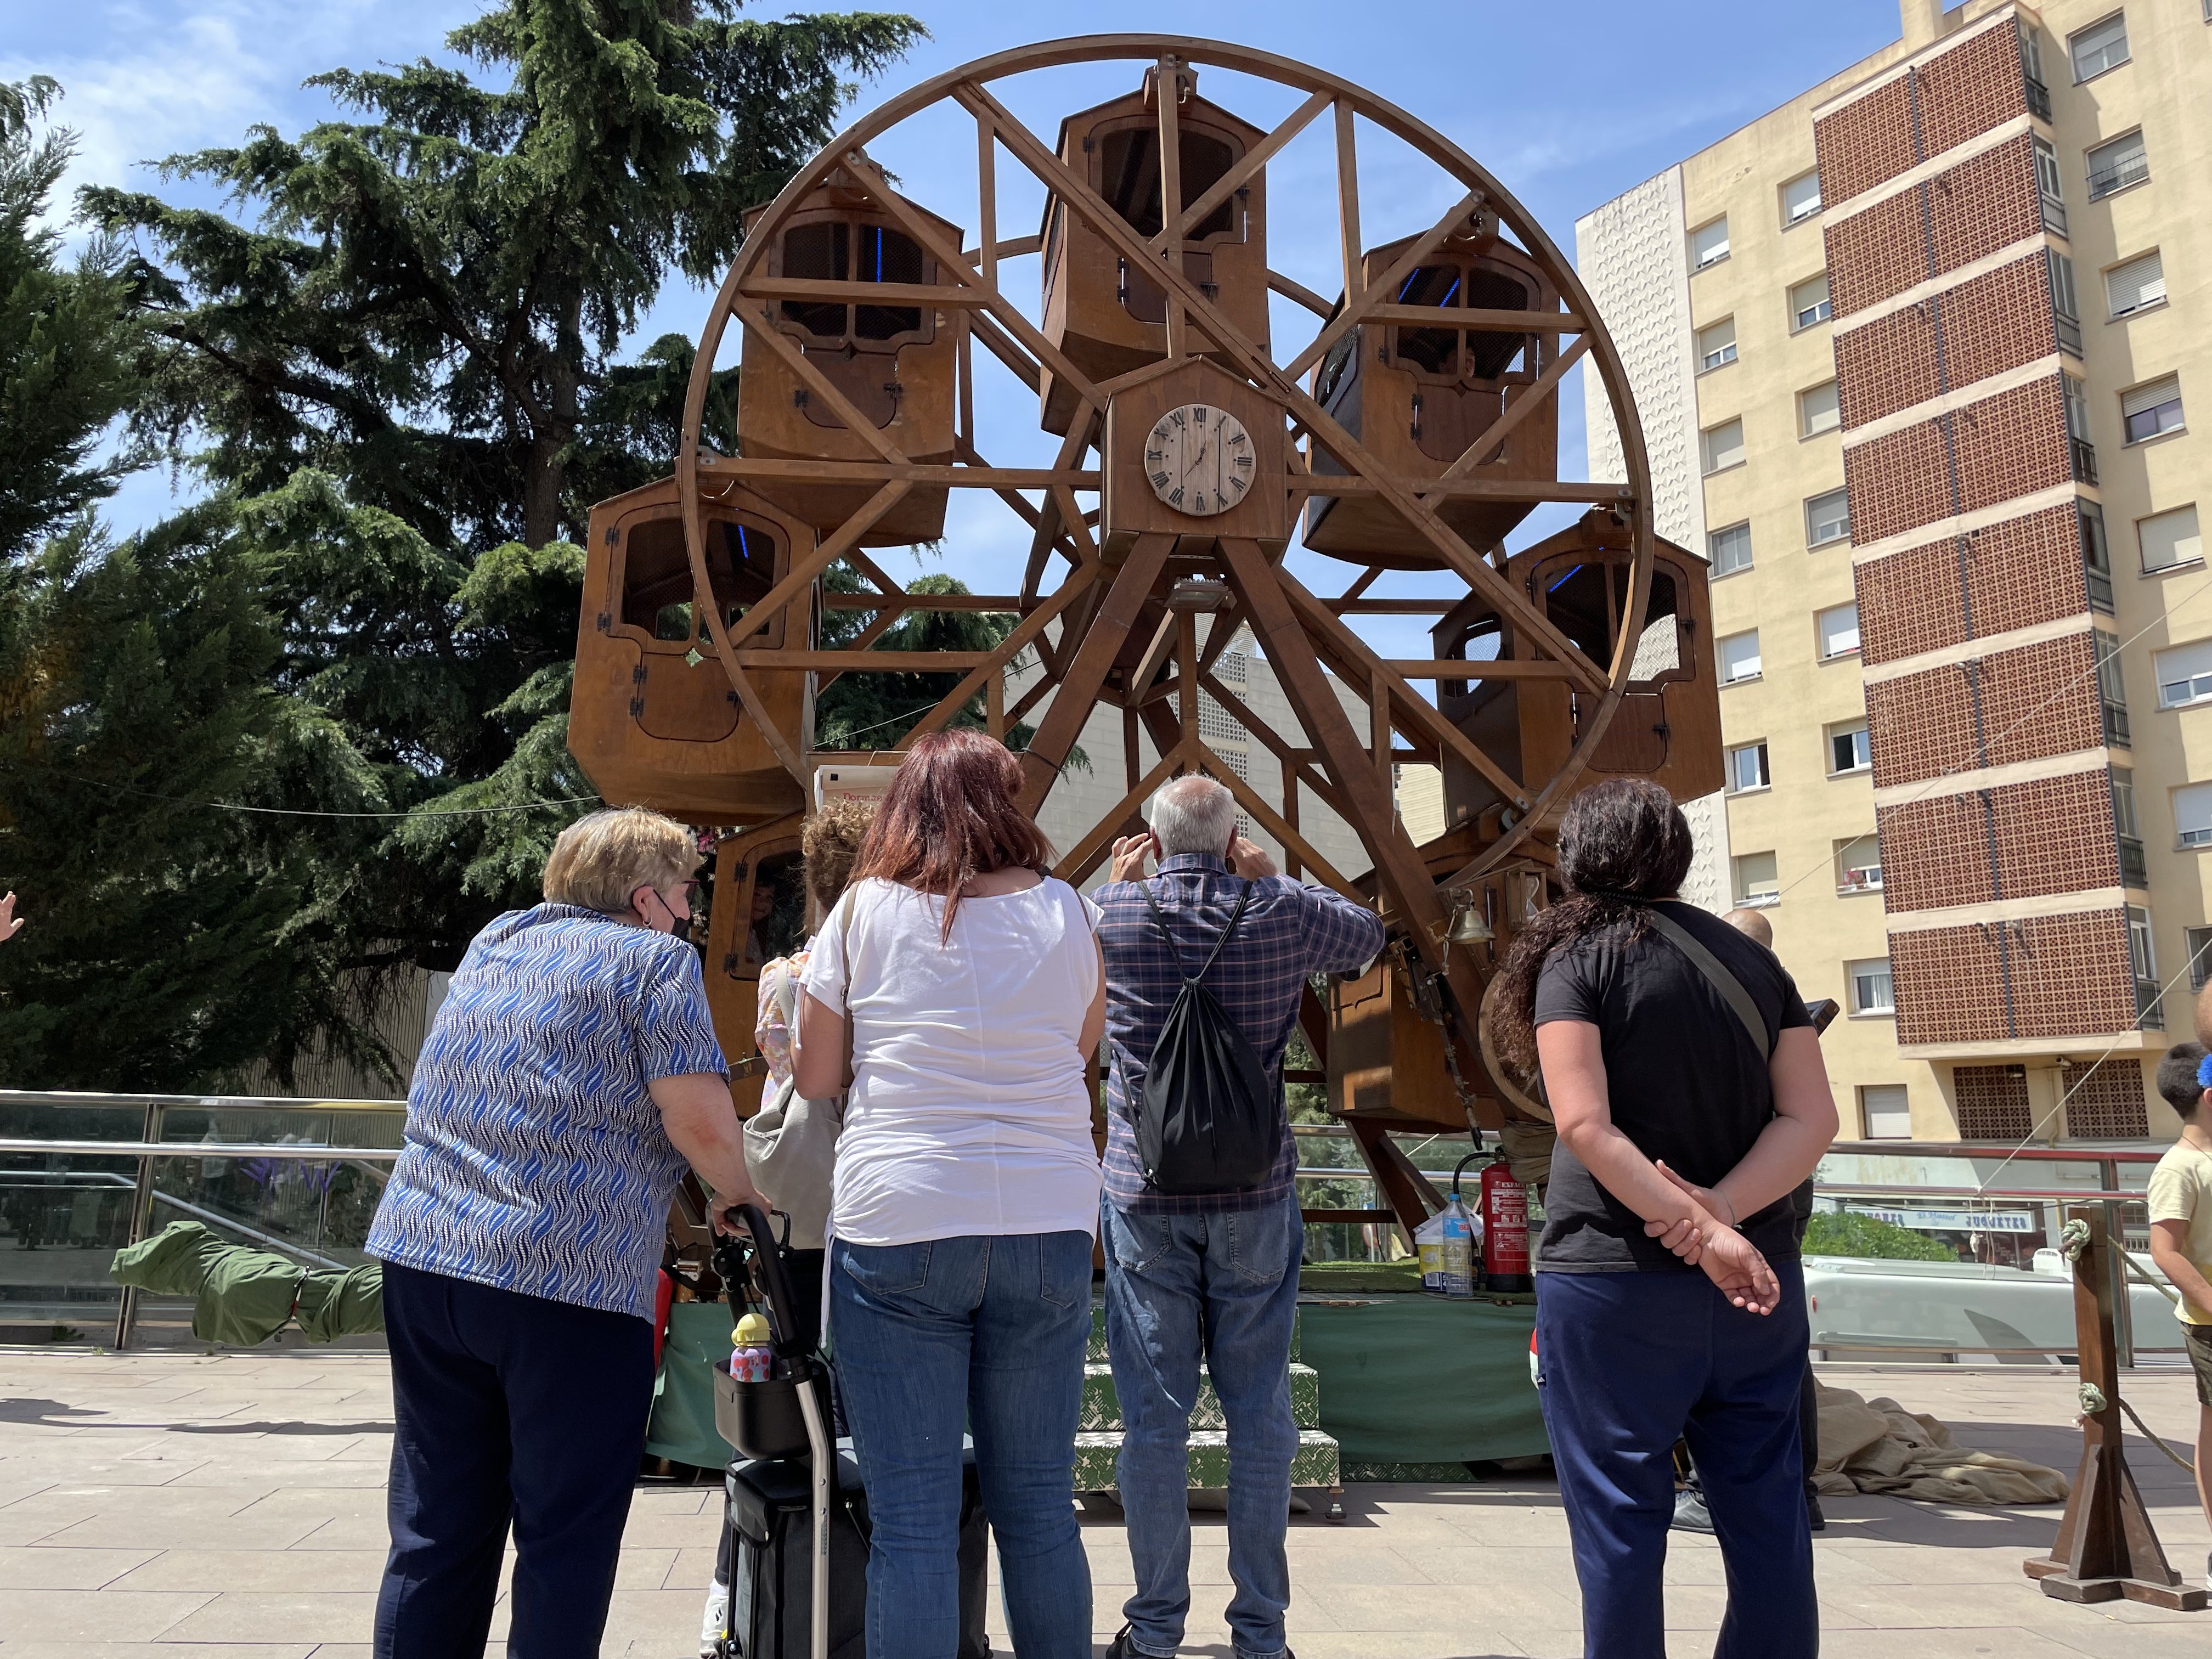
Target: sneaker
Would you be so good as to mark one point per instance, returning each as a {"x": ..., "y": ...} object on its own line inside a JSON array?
[
  {"x": 1813, "y": 1513},
  {"x": 1690, "y": 1512},
  {"x": 715, "y": 1622},
  {"x": 1124, "y": 1646}
]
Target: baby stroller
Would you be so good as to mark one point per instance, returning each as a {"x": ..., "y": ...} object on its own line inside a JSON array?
[{"x": 797, "y": 1512}]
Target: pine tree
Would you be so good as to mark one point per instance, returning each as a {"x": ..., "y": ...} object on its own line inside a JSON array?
[
  {"x": 401, "y": 364},
  {"x": 66, "y": 351}
]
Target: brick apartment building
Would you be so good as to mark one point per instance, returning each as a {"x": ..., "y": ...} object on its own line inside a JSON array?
[{"x": 1914, "y": 353}]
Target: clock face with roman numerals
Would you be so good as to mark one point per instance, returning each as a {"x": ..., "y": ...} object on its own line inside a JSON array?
[{"x": 1199, "y": 459}]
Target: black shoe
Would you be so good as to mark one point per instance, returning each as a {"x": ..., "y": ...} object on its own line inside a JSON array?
[
  {"x": 1690, "y": 1512},
  {"x": 1813, "y": 1513}
]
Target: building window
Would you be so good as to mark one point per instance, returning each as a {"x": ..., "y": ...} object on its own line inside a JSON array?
[
  {"x": 1849, "y": 749},
  {"x": 1828, "y": 519},
  {"x": 1747, "y": 768},
  {"x": 2170, "y": 540},
  {"x": 1858, "y": 864},
  {"x": 1808, "y": 303},
  {"x": 1818, "y": 411},
  {"x": 2048, "y": 186},
  {"x": 2098, "y": 47},
  {"x": 2096, "y": 556},
  {"x": 1839, "y": 631},
  {"x": 1871, "y": 989},
  {"x": 2184, "y": 675},
  {"x": 2192, "y": 815},
  {"x": 1739, "y": 655},
  {"x": 2199, "y": 939},
  {"x": 2134, "y": 871},
  {"x": 1801, "y": 198},
  {"x": 1708, "y": 244},
  {"x": 2080, "y": 453},
  {"x": 2149, "y": 410},
  {"x": 1729, "y": 549},
  {"x": 1758, "y": 880},
  {"x": 1723, "y": 446},
  {"x": 2135, "y": 286},
  {"x": 2066, "y": 309},
  {"x": 2145, "y": 962},
  {"x": 1885, "y": 1110},
  {"x": 1716, "y": 344},
  {"x": 2113, "y": 166},
  {"x": 2110, "y": 688}
]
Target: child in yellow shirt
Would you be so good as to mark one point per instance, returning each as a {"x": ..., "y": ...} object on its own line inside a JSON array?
[{"x": 2181, "y": 1231}]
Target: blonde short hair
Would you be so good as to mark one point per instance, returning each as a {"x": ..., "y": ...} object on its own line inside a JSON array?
[
  {"x": 830, "y": 841},
  {"x": 605, "y": 857}
]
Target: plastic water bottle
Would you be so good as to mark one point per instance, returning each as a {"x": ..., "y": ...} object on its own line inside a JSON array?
[{"x": 752, "y": 1357}]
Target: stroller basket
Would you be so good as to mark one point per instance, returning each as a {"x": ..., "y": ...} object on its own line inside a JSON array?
[{"x": 761, "y": 1419}]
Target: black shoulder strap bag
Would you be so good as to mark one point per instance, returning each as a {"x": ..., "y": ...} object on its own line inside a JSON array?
[
  {"x": 1717, "y": 971},
  {"x": 1206, "y": 1119}
]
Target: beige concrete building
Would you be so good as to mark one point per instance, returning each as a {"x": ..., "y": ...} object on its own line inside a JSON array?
[{"x": 1914, "y": 354}]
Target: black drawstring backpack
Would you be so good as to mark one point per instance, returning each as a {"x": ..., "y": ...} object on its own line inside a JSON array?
[{"x": 1207, "y": 1121}]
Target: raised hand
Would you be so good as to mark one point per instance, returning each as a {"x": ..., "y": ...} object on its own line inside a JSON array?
[
  {"x": 1250, "y": 861},
  {"x": 11, "y": 923},
  {"x": 1130, "y": 853}
]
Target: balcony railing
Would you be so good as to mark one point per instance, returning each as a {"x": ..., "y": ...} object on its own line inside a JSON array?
[
  {"x": 2115, "y": 724},
  {"x": 2129, "y": 170},
  {"x": 2099, "y": 584},
  {"x": 2038, "y": 98},
  {"x": 2149, "y": 1014},
  {"x": 2054, "y": 216},
  {"x": 2082, "y": 452},
  {"x": 2134, "y": 872}
]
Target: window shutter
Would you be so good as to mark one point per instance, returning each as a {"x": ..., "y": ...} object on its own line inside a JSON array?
[
  {"x": 2135, "y": 284},
  {"x": 2170, "y": 538},
  {"x": 2164, "y": 390}
]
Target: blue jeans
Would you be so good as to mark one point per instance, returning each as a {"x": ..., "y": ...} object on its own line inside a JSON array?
[
  {"x": 1632, "y": 1360},
  {"x": 1224, "y": 1283},
  {"x": 985, "y": 1333}
]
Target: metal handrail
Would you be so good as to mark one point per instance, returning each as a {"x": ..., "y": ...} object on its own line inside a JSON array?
[
  {"x": 81, "y": 1100},
  {"x": 317, "y": 1152}
]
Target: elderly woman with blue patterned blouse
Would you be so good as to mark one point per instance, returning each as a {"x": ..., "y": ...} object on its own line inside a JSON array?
[{"x": 569, "y": 1076}]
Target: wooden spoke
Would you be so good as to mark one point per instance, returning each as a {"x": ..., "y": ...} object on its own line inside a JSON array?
[
  {"x": 1080, "y": 861},
  {"x": 986, "y": 209},
  {"x": 867, "y": 293},
  {"x": 1003, "y": 346},
  {"x": 1299, "y": 761},
  {"x": 948, "y": 257},
  {"x": 1356, "y": 309},
  {"x": 1279, "y": 283},
  {"x": 1029, "y": 629},
  {"x": 1155, "y": 658},
  {"x": 1087, "y": 672},
  {"x": 1167, "y": 84},
  {"x": 959, "y": 477},
  {"x": 1246, "y": 169},
  {"x": 1494, "y": 436},
  {"x": 1367, "y": 579},
  {"x": 1502, "y": 322},
  {"x": 755, "y": 317},
  {"x": 1014, "y": 248},
  {"x": 1273, "y": 822},
  {"x": 1009, "y": 603},
  {"x": 1347, "y": 215}
]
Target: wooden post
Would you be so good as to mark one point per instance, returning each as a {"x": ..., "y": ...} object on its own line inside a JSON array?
[{"x": 2106, "y": 1549}]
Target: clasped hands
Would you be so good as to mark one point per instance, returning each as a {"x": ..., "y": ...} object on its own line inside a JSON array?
[{"x": 1730, "y": 1260}]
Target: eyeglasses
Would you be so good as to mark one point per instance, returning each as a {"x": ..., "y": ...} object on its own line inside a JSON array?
[{"x": 689, "y": 890}]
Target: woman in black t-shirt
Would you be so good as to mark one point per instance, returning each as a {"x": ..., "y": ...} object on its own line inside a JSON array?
[{"x": 1692, "y": 1105}]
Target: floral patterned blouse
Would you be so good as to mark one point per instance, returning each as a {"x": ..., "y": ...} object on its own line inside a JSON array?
[{"x": 779, "y": 1013}]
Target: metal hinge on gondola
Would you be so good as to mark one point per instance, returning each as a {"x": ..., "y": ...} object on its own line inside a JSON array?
[{"x": 637, "y": 697}]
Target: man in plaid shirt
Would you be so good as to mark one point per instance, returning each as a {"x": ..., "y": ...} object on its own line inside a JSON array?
[{"x": 1206, "y": 1273}]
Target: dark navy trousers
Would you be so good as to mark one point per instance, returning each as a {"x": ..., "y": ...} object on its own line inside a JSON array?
[
  {"x": 1631, "y": 1361},
  {"x": 510, "y": 1409}
]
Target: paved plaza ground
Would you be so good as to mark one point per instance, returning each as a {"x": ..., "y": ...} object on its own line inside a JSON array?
[{"x": 232, "y": 1507}]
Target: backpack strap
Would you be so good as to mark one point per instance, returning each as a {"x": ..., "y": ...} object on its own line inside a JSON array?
[
  {"x": 1236, "y": 917},
  {"x": 1717, "y": 972}
]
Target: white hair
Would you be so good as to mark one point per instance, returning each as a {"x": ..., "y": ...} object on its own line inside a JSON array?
[{"x": 1192, "y": 814}]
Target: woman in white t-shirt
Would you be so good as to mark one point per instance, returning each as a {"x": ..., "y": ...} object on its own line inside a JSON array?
[{"x": 966, "y": 1194}]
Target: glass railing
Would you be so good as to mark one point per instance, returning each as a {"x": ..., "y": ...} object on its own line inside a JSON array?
[{"x": 304, "y": 1179}]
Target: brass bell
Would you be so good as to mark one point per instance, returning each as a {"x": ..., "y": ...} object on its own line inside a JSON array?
[{"x": 1468, "y": 924}]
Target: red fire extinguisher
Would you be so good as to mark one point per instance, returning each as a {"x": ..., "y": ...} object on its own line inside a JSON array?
[{"x": 1505, "y": 1229}]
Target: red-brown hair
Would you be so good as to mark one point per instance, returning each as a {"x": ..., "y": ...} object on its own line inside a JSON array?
[{"x": 951, "y": 815}]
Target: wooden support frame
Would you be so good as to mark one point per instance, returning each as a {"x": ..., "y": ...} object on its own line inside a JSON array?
[{"x": 2107, "y": 1549}]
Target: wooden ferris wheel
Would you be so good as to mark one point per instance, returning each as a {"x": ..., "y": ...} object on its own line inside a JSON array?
[{"x": 1413, "y": 428}]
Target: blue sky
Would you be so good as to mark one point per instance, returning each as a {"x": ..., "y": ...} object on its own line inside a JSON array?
[{"x": 1567, "y": 104}]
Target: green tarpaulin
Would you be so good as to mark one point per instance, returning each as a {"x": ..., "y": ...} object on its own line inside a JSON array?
[
  {"x": 243, "y": 1296},
  {"x": 1416, "y": 1379},
  {"x": 1404, "y": 1379}
]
